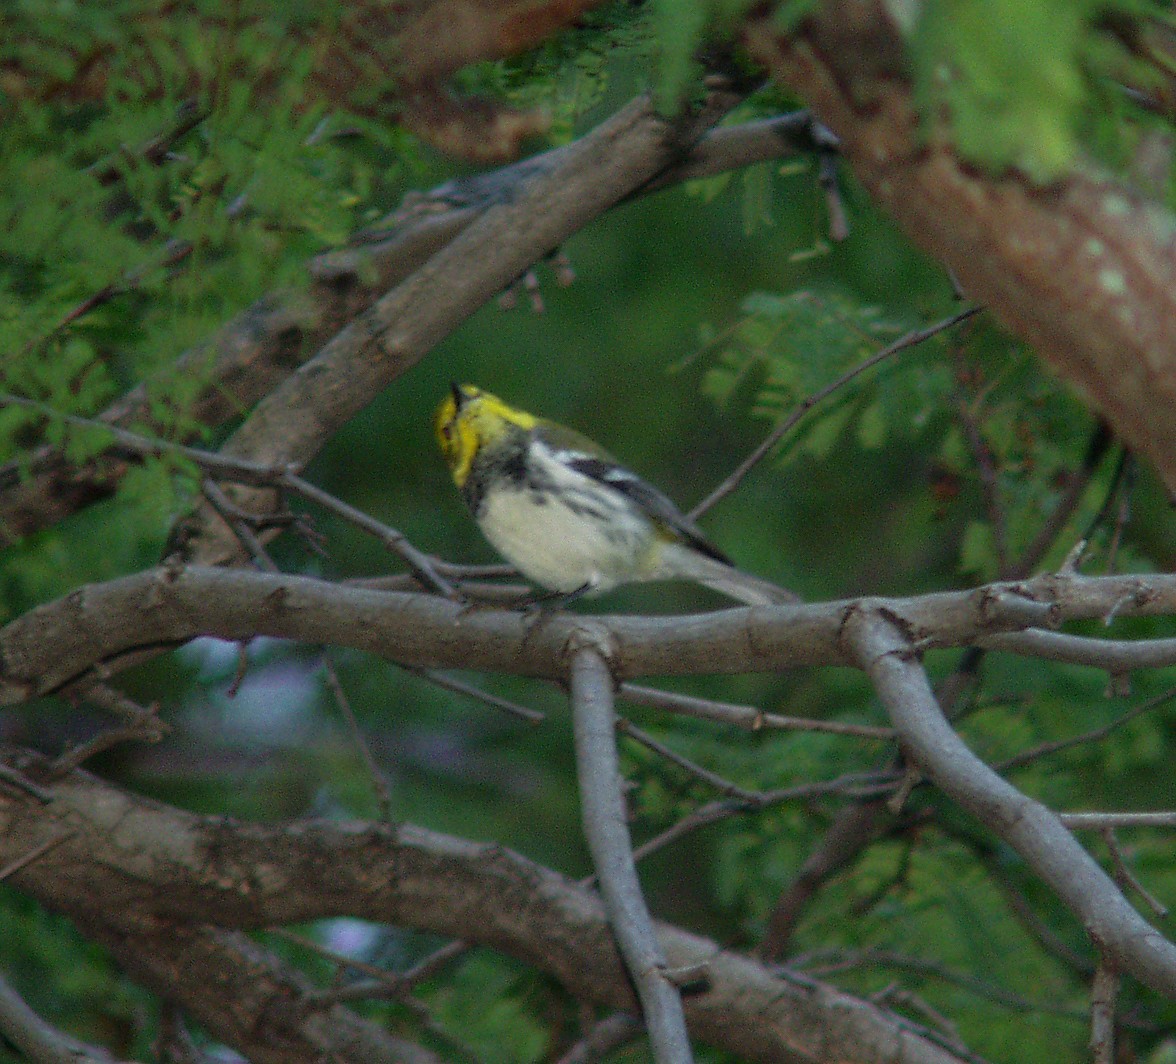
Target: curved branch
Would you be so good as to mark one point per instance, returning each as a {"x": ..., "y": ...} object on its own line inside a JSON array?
[
  {"x": 1114, "y": 655},
  {"x": 59, "y": 642},
  {"x": 1029, "y": 827},
  {"x": 38, "y": 1040},
  {"x": 141, "y": 872}
]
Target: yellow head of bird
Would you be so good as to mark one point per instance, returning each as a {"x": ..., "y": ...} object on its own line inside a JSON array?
[{"x": 469, "y": 419}]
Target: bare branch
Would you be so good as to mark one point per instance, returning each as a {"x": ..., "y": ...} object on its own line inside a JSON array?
[
  {"x": 1114, "y": 655},
  {"x": 384, "y": 984},
  {"x": 602, "y": 799},
  {"x": 1127, "y": 879},
  {"x": 237, "y": 520},
  {"x": 1029, "y": 827},
  {"x": 379, "y": 784},
  {"x": 136, "y": 890},
  {"x": 831, "y": 961},
  {"x": 58, "y": 642},
  {"x": 450, "y": 683},
  {"x": 720, "y": 784},
  {"x": 40, "y": 1042},
  {"x": 610, "y": 1033},
  {"x": 858, "y": 785},
  {"x": 747, "y": 717},
  {"x": 853, "y": 829},
  {"x": 245, "y": 996},
  {"x": 1098, "y": 821},
  {"x": 1094, "y": 735}
]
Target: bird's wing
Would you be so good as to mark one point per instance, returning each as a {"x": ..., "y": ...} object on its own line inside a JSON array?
[{"x": 589, "y": 458}]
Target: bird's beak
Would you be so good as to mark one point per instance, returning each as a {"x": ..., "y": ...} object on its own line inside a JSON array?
[{"x": 459, "y": 397}]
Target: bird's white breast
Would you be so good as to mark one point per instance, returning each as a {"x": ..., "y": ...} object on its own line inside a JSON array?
[{"x": 571, "y": 533}]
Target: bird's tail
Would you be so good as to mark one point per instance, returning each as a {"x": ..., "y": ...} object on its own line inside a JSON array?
[
  {"x": 688, "y": 564},
  {"x": 743, "y": 587}
]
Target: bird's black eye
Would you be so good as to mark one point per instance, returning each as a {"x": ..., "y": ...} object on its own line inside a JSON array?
[{"x": 459, "y": 397}]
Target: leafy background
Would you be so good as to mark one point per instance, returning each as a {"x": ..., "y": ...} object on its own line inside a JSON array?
[{"x": 698, "y": 317}]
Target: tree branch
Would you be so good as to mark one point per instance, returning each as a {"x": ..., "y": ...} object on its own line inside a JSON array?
[
  {"x": 59, "y": 642},
  {"x": 39, "y": 1041},
  {"x": 148, "y": 876},
  {"x": 1029, "y": 827},
  {"x": 604, "y": 816}
]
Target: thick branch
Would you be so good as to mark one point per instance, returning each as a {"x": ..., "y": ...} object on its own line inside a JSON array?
[
  {"x": 1084, "y": 270},
  {"x": 1029, "y": 827},
  {"x": 139, "y": 870},
  {"x": 57, "y": 643}
]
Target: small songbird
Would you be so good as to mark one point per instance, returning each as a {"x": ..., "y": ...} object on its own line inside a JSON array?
[{"x": 566, "y": 514}]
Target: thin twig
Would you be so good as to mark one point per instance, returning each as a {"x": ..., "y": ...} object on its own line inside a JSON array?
[
  {"x": 149, "y": 731},
  {"x": 450, "y": 683},
  {"x": 747, "y": 717},
  {"x": 911, "y": 339},
  {"x": 1076, "y": 484},
  {"x": 1024, "y": 912},
  {"x": 1123, "y": 514},
  {"x": 935, "y": 1019},
  {"x": 391, "y": 985},
  {"x": 989, "y": 481},
  {"x": 1127, "y": 879},
  {"x": 1094, "y": 735},
  {"x": 828, "y": 962},
  {"x": 603, "y": 811},
  {"x": 606, "y": 1035},
  {"x": 243, "y": 471},
  {"x": 36, "y": 852},
  {"x": 381, "y": 983},
  {"x": 732, "y": 790},
  {"x": 379, "y": 783},
  {"x": 853, "y": 785},
  {"x": 235, "y": 518},
  {"x": 396, "y": 541}
]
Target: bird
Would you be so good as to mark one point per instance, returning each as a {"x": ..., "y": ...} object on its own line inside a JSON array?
[{"x": 567, "y": 515}]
